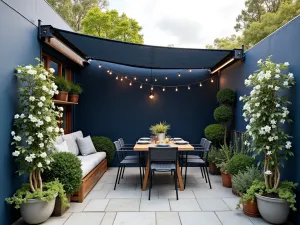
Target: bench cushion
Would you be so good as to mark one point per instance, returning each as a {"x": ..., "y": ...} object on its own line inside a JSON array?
[{"x": 89, "y": 162}]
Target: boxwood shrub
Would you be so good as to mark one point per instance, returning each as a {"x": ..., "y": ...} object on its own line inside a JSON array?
[
  {"x": 215, "y": 133},
  {"x": 222, "y": 114},
  {"x": 239, "y": 163},
  {"x": 104, "y": 144},
  {"x": 226, "y": 96}
]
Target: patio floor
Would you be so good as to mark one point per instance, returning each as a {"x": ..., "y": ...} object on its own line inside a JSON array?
[{"x": 128, "y": 205}]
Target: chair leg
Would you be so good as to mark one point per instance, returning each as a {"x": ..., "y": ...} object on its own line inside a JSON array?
[
  {"x": 185, "y": 176},
  {"x": 123, "y": 172},
  {"x": 205, "y": 169},
  {"x": 120, "y": 174},
  {"x": 176, "y": 189},
  {"x": 140, "y": 167},
  {"x": 150, "y": 185},
  {"x": 204, "y": 175},
  {"x": 117, "y": 177},
  {"x": 202, "y": 172}
]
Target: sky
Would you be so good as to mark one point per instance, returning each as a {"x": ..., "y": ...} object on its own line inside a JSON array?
[{"x": 185, "y": 24}]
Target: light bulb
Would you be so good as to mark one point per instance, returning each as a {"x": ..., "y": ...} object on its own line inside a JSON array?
[
  {"x": 121, "y": 78},
  {"x": 146, "y": 79},
  {"x": 117, "y": 78},
  {"x": 211, "y": 80},
  {"x": 190, "y": 70},
  {"x": 125, "y": 77},
  {"x": 151, "y": 96},
  {"x": 179, "y": 75},
  {"x": 134, "y": 78},
  {"x": 141, "y": 86},
  {"x": 155, "y": 79},
  {"x": 110, "y": 72},
  {"x": 107, "y": 71},
  {"x": 151, "y": 88},
  {"x": 200, "y": 84},
  {"x": 166, "y": 78},
  {"x": 100, "y": 66},
  {"x": 176, "y": 89},
  {"x": 164, "y": 89},
  {"x": 130, "y": 83},
  {"x": 189, "y": 87}
]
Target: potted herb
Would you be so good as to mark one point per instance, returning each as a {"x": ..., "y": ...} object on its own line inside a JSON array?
[
  {"x": 36, "y": 128},
  {"x": 266, "y": 110},
  {"x": 66, "y": 168},
  {"x": 213, "y": 156},
  {"x": 160, "y": 130},
  {"x": 63, "y": 88},
  {"x": 74, "y": 92},
  {"x": 241, "y": 182},
  {"x": 226, "y": 154}
]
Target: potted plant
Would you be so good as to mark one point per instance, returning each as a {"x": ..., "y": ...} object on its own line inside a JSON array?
[
  {"x": 241, "y": 182},
  {"x": 63, "y": 88},
  {"x": 36, "y": 128},
  {"x": 239, "y": 163},
  {"x": 74, "y": 92},
  {"x": 266, "y": 110},
  {"x": 226, "y": 154},
  {"x": 160, "y": 130},
  {"x": 104, "y": 144},
  {"x": 213, "y": 156},
  {"x": 66, "y": 168}
]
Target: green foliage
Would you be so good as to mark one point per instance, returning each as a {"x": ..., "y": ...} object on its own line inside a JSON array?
[
  {"x": 62, "y": 84},
  {"x": 161, "y": 127},
  {"x": 49, "y": 192},
  {"x": 226, "y": 96},
  {"x": 286, "y": 190},
  {"x": 230, "y": 43},
  {"x": 215, "y": 133},
  {"x": 66, "y": 167},
  {"x": 104, "y": 144},
  {"x": 223, "y": 114},
  {"x": 239, "y": 163},
  {"x": 75, "y": 89},
  {"x": 241, "y": 142},
  {"x": 215, "y": 156},
  {"x": 109, "y": 24},
  {"x": 243, "y": 180},
  {"x": 224, "y": 157}
]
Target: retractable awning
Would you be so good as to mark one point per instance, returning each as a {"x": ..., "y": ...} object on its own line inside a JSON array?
[{"x": 136, "y": 55}]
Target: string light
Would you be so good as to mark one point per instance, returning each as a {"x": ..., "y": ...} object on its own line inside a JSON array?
[
  {"x": 179, "y": 75},
  {"x": 189, "y": 87},
  {"x": 164, "y": 88},
  {"x": 107, "y": 71},
  {"x": 155, "y": 80},
  {"x": 125, "y": 77},
  {"x": 121, "y": 78},
  {"x": 176, "y": 89},
  {"x": 110, "y": 72},
  {"x": 134, "y": 78},
  {"x": 100, "y": 66},
  {"x": 190, "y": 70},
  {"x": 141, "y": 86},
  {"x": 130, "y": 83},
  {"x": 166, "y": 77},
  {"x": 151, "y": 96},
  {"x": 146, "y": 79},
  {"x": 151, "y": 88},
  {"x": 200, "y": 84},
  {"x": 117, "y": 78},
  {"x": 211, "y": 80}
]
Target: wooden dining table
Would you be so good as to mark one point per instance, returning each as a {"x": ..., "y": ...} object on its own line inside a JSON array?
[{"x": 145, "y": 148}]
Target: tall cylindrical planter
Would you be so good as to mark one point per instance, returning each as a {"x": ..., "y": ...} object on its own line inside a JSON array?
[
  {"x": 161, "y": 136},
  {"x": 273, "y": 210},
  {"x": 36, "y": 211}
]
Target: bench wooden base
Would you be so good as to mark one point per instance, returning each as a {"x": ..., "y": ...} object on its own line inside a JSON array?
[{"x": 89, "y": 181}]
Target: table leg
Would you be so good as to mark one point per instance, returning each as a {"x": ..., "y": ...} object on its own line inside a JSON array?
[
  {"x": 146, "y": 175},
  {"x": 179, "y": 177}
]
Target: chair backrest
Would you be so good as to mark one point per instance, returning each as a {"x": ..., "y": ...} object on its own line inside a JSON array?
[
  {"x": 202, "y": 142},
  {"x": 207, "y": 145},
  {"x": 120, "y": 155},
  {"x": 121, "y": 141},
  {"x": 169, "y": 154},
  {"x": 117, "y": 145}
]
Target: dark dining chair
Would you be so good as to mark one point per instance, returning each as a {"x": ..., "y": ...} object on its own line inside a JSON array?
[{"x": 163, "y": 159}]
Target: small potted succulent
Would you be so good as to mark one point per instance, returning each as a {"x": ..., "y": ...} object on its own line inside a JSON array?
[
  {"x": 226, "y": 154},
  {"x": 74, "y": 92},
  {"x": 160, "y": 130},
  {"x": 63, "y": 87},
  {"x": 66, "y": 168}
]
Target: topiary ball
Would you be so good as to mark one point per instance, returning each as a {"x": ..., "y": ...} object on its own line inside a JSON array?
[
  {"x": 66, "y": 167},
  {"x": 239, "y": 163},
  {"x": 104, "y": 144},
  {"x": 215, "y": 132},
  {"x": 226, "y": 96},
  {"x": 222, "y": 114}
]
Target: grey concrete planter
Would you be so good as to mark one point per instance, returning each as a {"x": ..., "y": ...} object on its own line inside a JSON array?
[
  {"x": 36, "y": 211},
  {"x": 273, "y": 210}
]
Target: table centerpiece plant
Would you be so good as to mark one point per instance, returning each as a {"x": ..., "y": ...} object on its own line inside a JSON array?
[
  {"x": 160, "y": 129},
  {"x": 36, "y": 129},
  {"x": 265, "y": 111}
]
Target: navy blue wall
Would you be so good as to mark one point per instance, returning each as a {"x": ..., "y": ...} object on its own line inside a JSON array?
[
  {"x": 18, "y": 45},
  {"x": 114, "y": 109},
  {"x": 284, "y": 46}
]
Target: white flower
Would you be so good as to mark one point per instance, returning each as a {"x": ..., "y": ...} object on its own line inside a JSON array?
[
  {"x": 259, "y": 61},
  {"x": 61, "y": 130},
  {"x": 56, "y": 129},
  {"x": 47, "y": 119},
  {"x": 267, "y": 147},
  {"x": 270, "y": 138},
  {"x": 41, "y": 145},
  {"x": 40, "y": 135},
  {"x": 31, "y": 71},
  {"x": 269, "y": 152},
  {"x": 47, "y": 162},
  {"x": 56, "y": 92},
  {"x": 277, "y": 70},
  {"x": 286, "y": 64},
  {"x": 273, "y": 126},
  {"x": 17, "y": 116},
  {"x": 46, "y": 73},
  {"x": 268, "y": 172},
  {"x": 288, "y": 144},
  {"x": 257, "y": 104},
  {"x": 248, "y": 127},
  {"x": 257, "y": 87},
  {"x": 267, "y": 129},
  {"x": 252, "y": 120},
  {"x": 270, "y": 86},
  {"x": 275, "y": 137},
  {"x": 42, "y": 77},
  {"x": 52, "y": 70},
  {"x": 13, "y": 133},
  {"x": 39, "y": 165},
  {"x": 40, "y": 104},
  {"x": 291, "y": 75},
  {"x": 258, "y": 115},
  {"x": 247, "y": 82},
  {"x": 31, "y": 98},
  {"x": 60, "y": 108},
  {"x": 32, "y": 156},
  {"x": 276, "y": 88},
  {"x": 49, "y": 129},
  {"x": 17, "y": 138},
  {"x": 277, "y": 76},
  {"x": 282, "y": 121},
  {"x": 44, "y": 88},
  {"x": 277, "y": 105},
  {"x": 28, "y": 159},
  {"x": 273, "y": 122},
  {"x": 285, "y": 83},
  {"x": 28, "y": 67},
  {"x": 22, "y": 116},
  {"x": 18, "y": 71},
  {"x": 42, "y": 98},
  {"x": 16, "y": 153},
  {"x": 43, "y": 155}
]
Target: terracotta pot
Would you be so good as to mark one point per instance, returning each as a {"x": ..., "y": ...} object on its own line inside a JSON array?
[
  {"x": 226, "y": 179},
  {"x": 251, "y": 209},
  {"x": 62, "y": 96},
  {"x": 59, "y": 210},
  {"x": 213, "y": 169},
  {"x": 235, "y": 192},
  {"x": 73, "y": 98}
]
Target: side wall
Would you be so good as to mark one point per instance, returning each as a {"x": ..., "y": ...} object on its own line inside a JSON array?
[
  {"x": 284, "y": 46},
  {"x": 19, "y": 45}
]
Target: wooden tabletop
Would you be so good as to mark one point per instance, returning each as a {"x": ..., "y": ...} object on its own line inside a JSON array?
[{"x": 145, "y": 147}]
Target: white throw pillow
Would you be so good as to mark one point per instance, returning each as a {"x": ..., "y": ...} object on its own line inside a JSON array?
[
  {"x": 71, "y": 142},
  {"x": 62, "y": 147},
  {"x": 86, "y": 146}
]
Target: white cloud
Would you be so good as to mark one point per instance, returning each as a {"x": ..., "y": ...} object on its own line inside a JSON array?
[{"x": 189, "y": 23}]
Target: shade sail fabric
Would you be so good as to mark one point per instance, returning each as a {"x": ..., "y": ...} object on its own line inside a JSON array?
[{"x": 143, "y": 56}]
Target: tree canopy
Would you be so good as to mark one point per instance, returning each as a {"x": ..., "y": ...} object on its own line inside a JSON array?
[
  {"x": 111, "y": 25},
  {"x": 231, "y": 42}
]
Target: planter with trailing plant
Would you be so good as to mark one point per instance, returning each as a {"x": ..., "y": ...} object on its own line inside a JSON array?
[
  {"x": 226, "y": 154},
  {"x": 74, "y": 92},
  {"x": 36, "y": 128},
  {"x": 266, "y": 110},
  {"x": 160, "y": 130},
  {"x": 63, "y": 87},
  {"x": 104, "y": 144},
  {"x": 241, "y": 182},
  {"x": 66, "y": 168}
]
